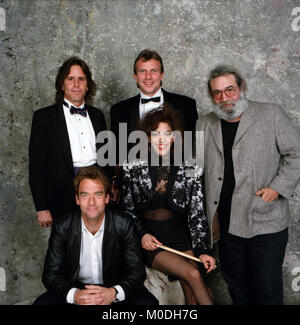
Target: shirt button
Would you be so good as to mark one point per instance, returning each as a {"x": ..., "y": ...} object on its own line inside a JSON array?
[
  {"x": 216, "y": 202},
  {"x": 219, "y": 178}
]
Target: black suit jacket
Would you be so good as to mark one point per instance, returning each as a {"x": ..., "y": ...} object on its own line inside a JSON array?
[
  {"x": 127, "y": 111},
  {"x": 122, "y": 261},
  {"x": 51, "y": 170}
]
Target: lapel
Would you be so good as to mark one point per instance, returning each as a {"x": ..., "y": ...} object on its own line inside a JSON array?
[
  {"x": 134, "y": 109},
  {"x": 248, "y": 119},
  {"x": 167, "y": 97},
  {"x": 94, "y": 120},
  {"x": 172, "y": 178},
  {"x": 108, "y": 243},
  {"x": 75, "y": 244},
  {"x": 60, "y": 127},
  {"x": 216, "y": 132}
]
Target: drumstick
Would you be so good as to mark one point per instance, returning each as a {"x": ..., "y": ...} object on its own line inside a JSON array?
[{"x": 178, "y": 252}]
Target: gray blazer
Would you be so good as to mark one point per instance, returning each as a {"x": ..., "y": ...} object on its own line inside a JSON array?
[{"x": 266, "y": 152}]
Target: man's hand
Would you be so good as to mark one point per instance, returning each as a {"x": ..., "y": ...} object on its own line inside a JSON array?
[
  {"x": 267, "y": 194},
  {"x": 45, "y": 218},
  {"x": 95, "y": 295}
]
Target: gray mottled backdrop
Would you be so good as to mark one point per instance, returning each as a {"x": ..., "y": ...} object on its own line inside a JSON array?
[{"x": 260, "y": 37}]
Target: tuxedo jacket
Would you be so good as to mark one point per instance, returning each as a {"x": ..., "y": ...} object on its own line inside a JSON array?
[
  {"x": 122, "y": 260},
  {"x": 127, "y": 111},
  {"x": 51, "y": 170}
]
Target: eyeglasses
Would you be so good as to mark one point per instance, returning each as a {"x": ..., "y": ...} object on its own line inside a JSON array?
[{"x": 229, "y": 92}]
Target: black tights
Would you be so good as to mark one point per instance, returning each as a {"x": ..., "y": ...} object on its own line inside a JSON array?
[{"x": 194, "y": 287}]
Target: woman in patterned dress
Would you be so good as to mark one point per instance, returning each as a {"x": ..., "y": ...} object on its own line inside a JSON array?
[{"x": 167, "y": 207}]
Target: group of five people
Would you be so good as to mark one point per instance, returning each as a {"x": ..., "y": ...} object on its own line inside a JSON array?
[{"x": 98, "y": 251}]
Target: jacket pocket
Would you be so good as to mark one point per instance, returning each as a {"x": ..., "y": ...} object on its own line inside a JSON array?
[
  {"x": 268, "y": 217},
  {"x": 262, "y": 207}
]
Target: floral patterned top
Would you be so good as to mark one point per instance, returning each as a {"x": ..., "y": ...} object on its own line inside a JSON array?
[{"x": 184, "y": 196}]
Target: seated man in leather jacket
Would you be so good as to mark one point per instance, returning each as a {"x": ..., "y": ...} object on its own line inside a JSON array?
[{"x": 94, "y": 255}]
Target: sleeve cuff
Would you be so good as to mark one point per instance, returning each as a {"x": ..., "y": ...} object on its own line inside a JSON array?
[
  {"x": 121, "y": 294},
  {"x": 70, "y": 296}
]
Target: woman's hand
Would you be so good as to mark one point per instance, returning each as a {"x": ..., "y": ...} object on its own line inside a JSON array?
[
  {"x": 208, "y": 261},
  {"x": 149, "y": 241}
]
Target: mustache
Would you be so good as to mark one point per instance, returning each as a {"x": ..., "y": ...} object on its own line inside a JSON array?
[
  {"x": 231, "y": 109},
  {"x": 225, "y": 107}
]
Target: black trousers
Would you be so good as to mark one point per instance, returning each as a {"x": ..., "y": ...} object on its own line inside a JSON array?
[
  {"x": 252, "y": 267},
  {"x": 139, "y": 296}
]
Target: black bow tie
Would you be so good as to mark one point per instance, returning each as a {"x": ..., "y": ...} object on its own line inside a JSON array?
[
  {"x": 75, "y": 110},
  {"x": 153, "y": 99}
]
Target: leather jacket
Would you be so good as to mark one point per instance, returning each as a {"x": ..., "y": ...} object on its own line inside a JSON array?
[{"x": 122, "y": 260}]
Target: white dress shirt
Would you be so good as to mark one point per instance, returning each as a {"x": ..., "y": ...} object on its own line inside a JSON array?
[
  {"x": 90, "y": 262},
  {"x": 82, "y": 138},
  {"x": 145, "y": 108}
]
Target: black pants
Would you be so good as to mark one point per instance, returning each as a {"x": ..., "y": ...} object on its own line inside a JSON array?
[
  {"x": 252, "y": 267},
  {"x": 139, "y": 296}
]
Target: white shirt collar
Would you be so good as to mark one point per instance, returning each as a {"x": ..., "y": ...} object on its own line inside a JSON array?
[
  {"x": 157, "y": 94},
  {"x": 84, "y": 228},
  {"x": 71, "y": 104}
]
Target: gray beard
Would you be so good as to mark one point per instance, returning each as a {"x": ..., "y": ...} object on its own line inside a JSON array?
[{"x": 231, "y": 113}]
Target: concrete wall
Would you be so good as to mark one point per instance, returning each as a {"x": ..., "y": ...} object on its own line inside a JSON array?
[{"x": 260, "y": 37}]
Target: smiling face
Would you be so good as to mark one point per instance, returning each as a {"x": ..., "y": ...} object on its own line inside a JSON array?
[
  {"x": 162, "y": 138},
  {"x": 75, "y": 86},
  {"x": 148, "y": 76},
  {"x": 92, "y": 200}
]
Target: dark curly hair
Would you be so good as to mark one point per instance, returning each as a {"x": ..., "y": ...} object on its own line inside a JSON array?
[
  {"x": 63, "y": 73},
  {"x": 165, "y": 113}
]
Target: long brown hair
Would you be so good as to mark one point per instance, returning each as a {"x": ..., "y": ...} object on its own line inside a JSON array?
[{"x": 63, "y": 73}]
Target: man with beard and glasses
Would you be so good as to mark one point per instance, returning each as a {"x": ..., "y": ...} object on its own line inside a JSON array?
[{"x": 252, "y": 167}]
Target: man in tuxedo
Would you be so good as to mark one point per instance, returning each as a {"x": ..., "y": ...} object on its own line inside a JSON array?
[
  {"x": 94, "y": 256},
  {"x": 149, "y": 73},
  {"x": 63, "y": 139}
]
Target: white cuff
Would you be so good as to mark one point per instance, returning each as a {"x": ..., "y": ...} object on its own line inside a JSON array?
[
  {"x": 121, "y": 294},
  {"x": 70, "y": 296}
]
